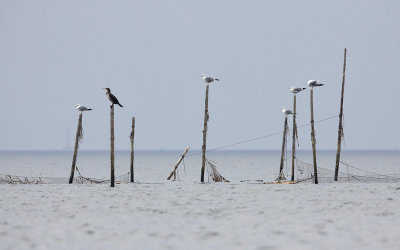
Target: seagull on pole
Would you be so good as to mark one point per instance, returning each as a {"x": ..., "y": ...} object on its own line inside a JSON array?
[
  {"x": 208, "y": 79},
  {"x": 296, "y": 90},
  {"x": 112, "y": 98},
  {"x": 82, "y": 108},
  {"x": 315, "y": 83},
  {"x": 286, "y": 111}
]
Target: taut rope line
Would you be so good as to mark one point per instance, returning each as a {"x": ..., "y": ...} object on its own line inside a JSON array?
[{"x": 261, "y": 137}]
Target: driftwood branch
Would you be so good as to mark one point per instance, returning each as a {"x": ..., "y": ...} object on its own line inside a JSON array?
[{"x": 179, "y": 162}]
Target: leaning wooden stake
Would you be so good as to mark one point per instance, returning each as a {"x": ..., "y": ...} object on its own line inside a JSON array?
[
  {"x": 340, "y": 130},
  {"x": 294, "y": 133},
  {"x": 203, "y": 158},
  {"x": 177, "y": 164},
  {"x": 112, "y": 145},
  {"x": 78, "y": 134},
  {"x": 132, "y": 137},
  {"x": 281, "y": 176},
  {"x": 313, "y": 137}
]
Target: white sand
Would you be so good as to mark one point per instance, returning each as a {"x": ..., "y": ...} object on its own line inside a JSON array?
[{"x": 187, "y": 215}]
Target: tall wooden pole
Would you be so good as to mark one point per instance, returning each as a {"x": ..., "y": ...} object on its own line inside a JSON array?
[
  {"x": 78, "y": 133},
  {"x": 313, "y": 137},
  {"x": 112, "y": 145},
  {"x": 294, "y": 131},
  {"x": 203, "y": 158},
  {"x": 132, "y": 137},
  {"x": 281, "y": 176},
  {"x": 340, "y": 130}
]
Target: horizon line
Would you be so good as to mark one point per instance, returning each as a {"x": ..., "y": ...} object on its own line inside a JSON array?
[{"x": 196, "y": 150}]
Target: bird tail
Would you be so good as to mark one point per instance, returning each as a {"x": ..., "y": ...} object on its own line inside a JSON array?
[
  {"x": 89, "y": 109},
  {"x": 120, "y": 105},
  {"x": 216, "y": 79}
]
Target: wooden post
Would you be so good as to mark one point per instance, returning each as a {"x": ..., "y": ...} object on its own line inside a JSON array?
[
  {"x": 112, "y": 145},
  {"x": 313, "y": 137},
  {"x": 340, "y": 130},
  {"x": 177, "y": 164},
  {"x": 78, "y": 133},
  {"x": 281, "y": 176},
  {"x": 294, "y": 132},
  {"x": 203, "y": 158},
  {"x": 132, "y": 137}
]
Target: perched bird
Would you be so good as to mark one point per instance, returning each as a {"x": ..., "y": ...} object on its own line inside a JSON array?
[
  {"x": 112, "y": 98},
  {"x": 208, "y": 79},
  {"x": 286, "y": 111},
  {"x": 82, "y": 108},
  {"x": 296, "y": 90},
  {"x": 314, "y": 83}
]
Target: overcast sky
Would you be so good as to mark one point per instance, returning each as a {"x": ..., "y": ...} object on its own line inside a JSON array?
[{"x": 55, "y": 54}]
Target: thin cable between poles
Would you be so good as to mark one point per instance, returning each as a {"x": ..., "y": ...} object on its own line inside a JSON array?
[{"x": 260, "y": 137}]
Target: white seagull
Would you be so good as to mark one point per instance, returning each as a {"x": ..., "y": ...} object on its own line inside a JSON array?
[
  {"x": 314, "y": 83},
  {"x": 286, "y": 111},
  {"x": 208, "y": 79},
  {"x": 296, "y": 90},
  {"x": 82, "y": 108}
]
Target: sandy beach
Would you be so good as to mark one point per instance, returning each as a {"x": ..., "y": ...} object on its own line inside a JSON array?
[{"x": 183, "y": 215}]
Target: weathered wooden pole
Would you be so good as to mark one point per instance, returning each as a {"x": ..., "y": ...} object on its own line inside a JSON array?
[
  {"x": 132, "y": 138},
  {"x": 340, "y": 130},
  {"x": 177, "y": 164},
  {"x": 313, "y": 137},
  {"x": 203, "y": 158},
  {"x": 78, "y": 135},
  {"x": 281, "y": 176},
  {"x": 112, "y": 145},
  {"x": 294, "y": 132}
]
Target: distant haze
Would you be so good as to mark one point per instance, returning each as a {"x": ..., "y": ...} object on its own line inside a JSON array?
[{"x": 55, "y": 54}]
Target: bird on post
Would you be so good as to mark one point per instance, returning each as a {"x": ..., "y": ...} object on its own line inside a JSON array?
[
  {"x": 208, "y": 79},
  {"x": 82, "y": 108},
  {"x": 112, "y": 98},
  {"x": 296, "y": 90},
  {"x": 315, "y": 83},
  {"x": 286, "y": 111}
]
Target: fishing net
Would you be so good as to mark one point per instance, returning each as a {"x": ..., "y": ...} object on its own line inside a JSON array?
[
  {"x": 14, "y": 179},
  {"x": 213, "y": 173},
  {"x": 347, "y": 173}
]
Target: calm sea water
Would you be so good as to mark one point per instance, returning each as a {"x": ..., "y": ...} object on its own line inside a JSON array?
[{"x": 154, "y": 166}]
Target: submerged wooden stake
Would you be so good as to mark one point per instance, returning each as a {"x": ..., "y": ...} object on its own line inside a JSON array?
[
  {"x": 177, "y": 164},
  {"x": 294, "y": 132},
  {"x": 340, "y": 130},
  {"x": 112, "y": 145},
  {"x": 132, "y": 138},
  {"x": 313, "y": 137},
  {"x": 281, "y": 176},
  {"x": 78, "y": 133},
  {"x": 203, "y": 158}
]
